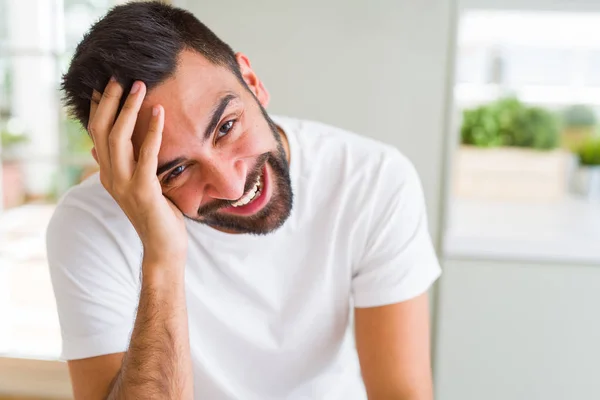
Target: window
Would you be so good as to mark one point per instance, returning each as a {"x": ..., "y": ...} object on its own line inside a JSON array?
[
  {"x": 42, "y": 154},
  {"x": 527, "y": 101}
]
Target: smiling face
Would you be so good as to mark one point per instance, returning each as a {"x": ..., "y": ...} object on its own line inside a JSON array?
[{"x": 222, "y": 161}]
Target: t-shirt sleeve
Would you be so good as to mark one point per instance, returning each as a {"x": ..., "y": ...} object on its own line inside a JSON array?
[
  {"x": 398, "y": 261},
  {"x": 92, "y": 260}
]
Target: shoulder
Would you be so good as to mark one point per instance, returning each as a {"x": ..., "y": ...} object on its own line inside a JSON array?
[
  {"x": 324, "y": 138},
  {"x": 91, "y": 197},
  {"x": 87, "y": 201},
  {"x": 87, "y": 223},
  {"x": 342, "y": 155}
]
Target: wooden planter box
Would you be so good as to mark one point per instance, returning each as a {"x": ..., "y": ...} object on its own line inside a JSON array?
[{"x": 511, "y": 174}]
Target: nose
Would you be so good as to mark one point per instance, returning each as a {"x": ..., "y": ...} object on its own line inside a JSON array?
[{"x": 226, "y": 181}]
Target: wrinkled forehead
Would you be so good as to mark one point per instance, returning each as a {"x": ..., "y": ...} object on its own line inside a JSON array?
[{"x": 188, "y": 98}]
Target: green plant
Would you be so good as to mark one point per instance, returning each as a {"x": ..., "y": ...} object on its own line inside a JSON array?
[
  {"x": 480, "y": 128},
  {"x": 509, "y": 122},
  {"x": 536, "y": 128},
  {"x": 9, "y": 140},
  {"x": 76, "y": 138},
  {"x": 589, "y": 152},
  {"x": 578, "y": 116}
]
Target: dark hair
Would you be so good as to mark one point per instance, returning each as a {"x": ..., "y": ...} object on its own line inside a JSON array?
[{"x": 137, "y": 41}]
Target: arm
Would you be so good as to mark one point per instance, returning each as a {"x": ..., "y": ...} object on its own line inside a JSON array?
[
  {"x": 393, "y": 348},
  {"x": 396, "y": 268},
  {"x": 157, "y": 364}
]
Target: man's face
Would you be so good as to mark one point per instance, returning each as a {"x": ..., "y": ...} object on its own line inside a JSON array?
[{"x": 222, "y": 161}]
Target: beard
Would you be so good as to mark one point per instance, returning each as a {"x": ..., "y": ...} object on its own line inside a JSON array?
[{"x": 274, "y": 214}]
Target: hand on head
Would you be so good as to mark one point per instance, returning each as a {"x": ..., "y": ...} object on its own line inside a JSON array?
[{"x": 134, "y": 184}]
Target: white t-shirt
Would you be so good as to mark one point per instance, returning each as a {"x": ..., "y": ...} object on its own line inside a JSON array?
[{"x": 269, "y": 316}]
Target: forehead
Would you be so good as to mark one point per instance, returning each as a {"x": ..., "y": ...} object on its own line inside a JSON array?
[{"x": 188, "y": 98}]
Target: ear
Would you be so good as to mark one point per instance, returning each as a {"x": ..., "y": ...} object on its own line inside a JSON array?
[{"x": 251, "y": 79}]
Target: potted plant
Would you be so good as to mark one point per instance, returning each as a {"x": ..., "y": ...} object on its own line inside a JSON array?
[
  {"x": 13, "y": 187},
  {"x": 509, "y": 151},
  {"x": 578, "y": 123},
  {"x": 587, "y": 177}
]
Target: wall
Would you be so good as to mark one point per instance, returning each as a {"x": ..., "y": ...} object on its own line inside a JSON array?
[
  {"x": 522, "y": 331},
  {"x": 549, "y": 5},
  {"x": 378, "y": 68}
]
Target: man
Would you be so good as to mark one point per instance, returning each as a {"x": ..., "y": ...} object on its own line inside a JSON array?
[{"x": 221, "y": 253}]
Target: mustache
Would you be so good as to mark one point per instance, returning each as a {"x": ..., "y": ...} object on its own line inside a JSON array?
[{"x": 214, "y": 206}]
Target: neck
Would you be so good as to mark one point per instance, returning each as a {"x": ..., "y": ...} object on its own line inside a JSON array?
[{"x": 286, "y": 144}]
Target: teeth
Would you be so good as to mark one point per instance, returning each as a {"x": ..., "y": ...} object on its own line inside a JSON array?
[{"x": 248, "y": 197}]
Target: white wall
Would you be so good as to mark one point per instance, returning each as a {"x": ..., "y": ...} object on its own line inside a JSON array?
[
  {"x": 550, "y": 5},
  {"x": 518, "y": 331},
  {"x": 378, "y": 67}
]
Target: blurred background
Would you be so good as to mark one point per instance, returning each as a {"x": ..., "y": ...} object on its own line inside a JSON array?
[{"x": 497, "y": 102}]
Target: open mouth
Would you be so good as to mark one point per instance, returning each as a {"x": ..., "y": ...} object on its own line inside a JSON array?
[
  {"x": 254, "y": 199},
  {"x": 252, "y": 194}
]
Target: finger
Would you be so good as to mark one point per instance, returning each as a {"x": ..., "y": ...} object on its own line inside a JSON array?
[
  {"x": 119, "y": 141},
  {"x": 93, "y": 107},
  {"x": 104, "y": 117},
  {"x": 148, "y": 157},
  {"x": 96, "y": 96}
]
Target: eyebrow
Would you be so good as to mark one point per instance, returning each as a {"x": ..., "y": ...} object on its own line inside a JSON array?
[
  {"x": 164, "y": 167},
  {"x": 217, "y": 114},
  {"x": 212, "y": 125}
]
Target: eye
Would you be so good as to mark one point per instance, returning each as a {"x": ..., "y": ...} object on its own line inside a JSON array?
[
  {"x": 175, "y": 172},
  {"x": 225, "y": 129}
]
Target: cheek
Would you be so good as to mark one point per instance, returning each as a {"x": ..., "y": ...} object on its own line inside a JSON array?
[
  {"x": 254, "y": 143},
  {"x": 187, "y": 198}
]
